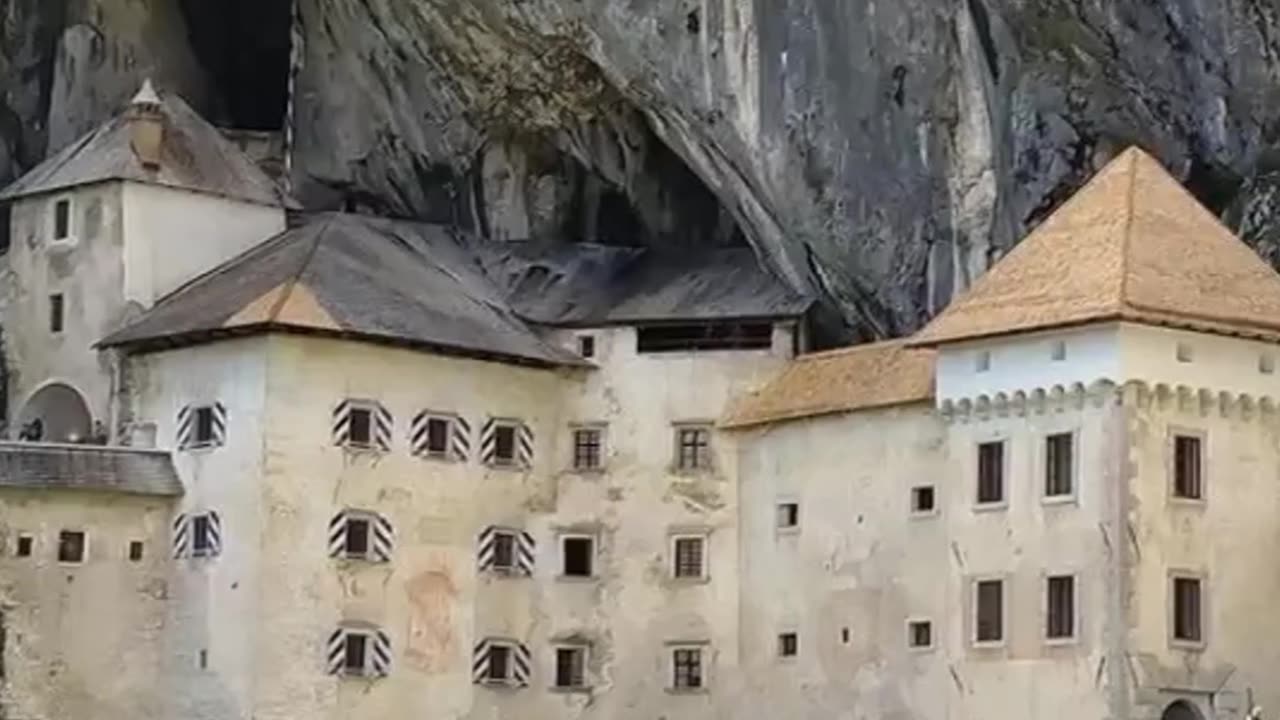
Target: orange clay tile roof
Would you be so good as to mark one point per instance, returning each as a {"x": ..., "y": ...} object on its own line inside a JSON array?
[
  {"x": 854, "y": 378},
  {"x": 1131, "y": 245}
]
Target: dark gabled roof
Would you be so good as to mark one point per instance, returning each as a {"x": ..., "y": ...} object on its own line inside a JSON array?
[
  {"x": 130, "y": 471},
  {"x": 584, "y": 284},
  {"x": 194, "y": 156},
  {"x": 350, "y": 276}
]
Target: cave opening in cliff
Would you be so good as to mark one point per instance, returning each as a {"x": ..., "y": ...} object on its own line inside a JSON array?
[{"x": 244, "y": 46}]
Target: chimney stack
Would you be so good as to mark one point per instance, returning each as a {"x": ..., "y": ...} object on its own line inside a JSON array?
[{"x": 146, "y": 126}]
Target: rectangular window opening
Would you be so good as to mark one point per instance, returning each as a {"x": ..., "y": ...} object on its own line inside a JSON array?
[
  {"x": 704, "y": 336},
  {"x": 201, "y": 536},
  {"x": 689, "y": 556},
  {"x": 991, "y": 473},
  {"x": 579, "y": 555},
  {"x": 788, "y": 515},
  {"x": 1059, "y": 467},
  {"x": 1060, "y": 612},
  {"x": 356, "y": 543},
  {"x": 587, "y": 346},
  {"x": 355, "y": 653},
  {"x": 204, "y": 427},
  {"x": 920, "y": 634},
  {"x": 135, "y": 551},
  {"x": 62, "y": 220},
  {"x": 923, "y": 500},
  {"x": 437, "y": 436},
  {"x": 25, "y": 543},
  {"x": 71, "y": 547},
  {"x": 504, "y": 551},
  {"x": 56, "y": 313},
  {"x": 1187, "y": 618},
  {"x": 360, "y": 427},
  {"x": 989, "y": 611},
  {"x": 586, "y": 448},
  {"x": 571, "y": 667},
  {"x": 687, "y": 666},
  {"x": 693, "y": 448},
  {"x": 788, "y": 644},
  {"x": 1187, "y": 467},
  {"x": 504, "y": 444},
  {"x": 499, "y": 664}
]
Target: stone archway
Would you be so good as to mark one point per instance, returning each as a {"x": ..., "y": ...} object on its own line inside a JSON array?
[
  {"x": 56, "y": 412},
  {"x": 1181, "y": 710}
]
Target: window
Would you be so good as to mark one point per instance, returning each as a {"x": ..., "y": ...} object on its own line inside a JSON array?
[
  {"x": 135, "y": 551},
  {"x": 989, "y": 611},
  {"x": 687, "y": 668},
  {"x": 586, "y": 448},
  {"x": 25, "y": 542},
  {"x": 437, "y": 436},
  {"x": 788, "y": 644},
  {"x": 361, "y": 535},
  {"x": 1187, "y": 467},
  {"x": 1058, "y": 351},
  {"x": 1059, "y": 462},
  {"x": 71, "y": 546},
  {"x": 56, "y": 313},
  {"x": 62, "y": 219},
  {"x": 1187, "y": 609},
  {"x": 505, "y": 551},
  {"x": 571, "y": 667},
  {"x": 202, "y": 426},
  {"x": 1184, "y": 353},
  {"x": 501, "y": 662},
  {"x": 704, "y": 336},
  {"x": 587, "y": 346},
  {"x": 359, "y": 652},
  {"x": 441, "y": 436},
  {"x": 1060, "y": 610},
  {"x": 504, "y": 445},
  {"x": 923, "y": 501},
  {"x": 693, "y": 448},
  {"x": 578, "y": 554},
  {"x": 982, "y": 361},
  {"x": 991, "y": 473},
  {"x": 788, "y": 515},
  {"x": 362, "y": 425},
  {"x": 688, "y": 557},
  {"x": 360, "y": 430},
  {"x": 202, "y": 542},
  {"x": 920, "y": 634}
]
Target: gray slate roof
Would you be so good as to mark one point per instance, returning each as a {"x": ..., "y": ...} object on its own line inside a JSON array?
[
  {"x": 351, "y": 276},
  {"x": 36, "y": 466},
  {"x": 593, "y": 285},
  {"x": 194, "y": 156}
]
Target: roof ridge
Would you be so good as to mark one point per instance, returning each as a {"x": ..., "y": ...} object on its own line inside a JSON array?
[
  {"x": 1126, "y": 235},
  {"x": 292, "y": 282}
]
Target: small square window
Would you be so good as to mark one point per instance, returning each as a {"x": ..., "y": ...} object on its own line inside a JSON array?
[
  {"x": 689, "y": 556},
  {"x": 1184, "y": 353},
  {"x": 499, "y": 664},
  {"x": 1267, "y": 364},
  {"x": 62, "y": 219},
  {"x": 355, "y": 654},
  {"x": 920, "y": 634},
  {"x": 1060, "y": 610},
  {"x": 202, "y": 543},
  {"x": 693, "y": 448},
  {"x": 437, "y": 436},
  {"x": 504, "y": 444},
  {"x": 991, "y": 473},
  {"x": 1058, "y": 351},
  {"x": 1188, "y": 467},
  {"x": 71, "y": 547},
  {"x": 578, "y": 555},
  {"x": 1187, "y": 610},
  {"x": 923, "y": 500},
  {"x": 571, "y": 668},
  {"x": 135, "y": 551},
  {"x": 587, "y": 443},
  {"x": 982, "y": 361},
  {"x": 587, "y": 346},
  {"x": 687, "y": 668},
  {"x": 360, "y": 427},
  {"x": 504, "y": 551},
  {"x": 989, "y": 611},
  {"x": 788, "y": 644},
  {"x": 25, "y": 544},
  {"x": 1059, "y": 457},
  {"x": 788, "y": 515},
  {"x": 56, "y": 313},
  {"x": 356, "y": 543}
]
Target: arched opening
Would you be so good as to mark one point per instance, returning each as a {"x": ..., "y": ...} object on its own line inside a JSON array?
[
  {"x": 55, "y": 413},
  {"x": 1181, "y": 710}
]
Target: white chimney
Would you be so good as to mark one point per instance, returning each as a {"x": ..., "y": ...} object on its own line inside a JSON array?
[{"x": 146, "y": 126}]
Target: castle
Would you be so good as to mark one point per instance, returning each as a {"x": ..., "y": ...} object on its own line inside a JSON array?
[{"x": 272, "y": 466}]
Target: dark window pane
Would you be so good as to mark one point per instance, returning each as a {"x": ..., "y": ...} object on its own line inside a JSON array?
[
  {"x": 570, "y": 667},
  {"x": 437, "y": 436},
  {"x": 499, "y": 663},
  {"x": 357, "y": 537},
  {"x": 135, "y": 551},
  {"x": 921, "y": 634},
  {"x": 922, "y": 499},
  {"x": 694, "y": 451},
  {"x": 70, "y": 546},
  {"x": 587, "y": 346},
  {"x": 204, "y": 426},
  {"x": 504, "y": 551},
  {"x": 61, "y": 219},
  {"x": 688, "y": 557},
  {"x": 1061, "y": 617},
  {"x": 990, "y": 611},
  {"x": 56, "y": 313},
  {"x": 578, "y": 558},
  {"x": 688, "y": 668},
  {"x": 586, "y": 449},
  {"x": 704, "y": 336},
  {"x": 201, "y": 535},
  {"x": 353, "y": 659},
  {"x": 991, "y": 472},
  {"x": 360, "y": 428},
  {"x": 24, "y": 547},
  {"x": 1059, "y": 464},
  {"x": 1186, "y": 609},
  {"x": 504, "y": 444},
  {"x": 1187, "y": 466},
  {"x": 788, "y": 644}
]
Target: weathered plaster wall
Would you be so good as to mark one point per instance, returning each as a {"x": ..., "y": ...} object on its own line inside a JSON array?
[
  {"x": 89, "y": 274},
  {"x": 1230, "y": 538},
  {"x": 215, "y": 605},
  {"x": 1026, "y": 362},
  {"x": 174, "y": 235},
  {"x": 85, "y": 640}
]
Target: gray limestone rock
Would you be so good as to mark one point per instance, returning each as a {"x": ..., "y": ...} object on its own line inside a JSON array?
[{"x": 879, "y": 153}]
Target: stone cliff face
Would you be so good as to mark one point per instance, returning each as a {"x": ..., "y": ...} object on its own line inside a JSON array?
[{"x": 878, "y": 153}]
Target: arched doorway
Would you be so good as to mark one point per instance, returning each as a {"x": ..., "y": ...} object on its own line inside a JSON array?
[
  {"x": 1181, "y": 710},
  {"x": 55, "y": 413}
]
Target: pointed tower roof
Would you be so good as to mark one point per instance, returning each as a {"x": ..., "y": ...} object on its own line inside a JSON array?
[{"x": 1131, "y": 245}]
